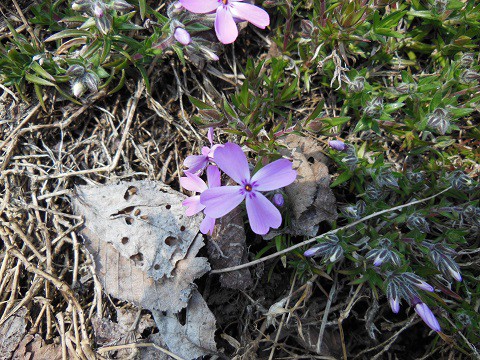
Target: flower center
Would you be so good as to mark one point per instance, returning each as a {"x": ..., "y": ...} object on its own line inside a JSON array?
[
  {"x": 248, "y": 187},
  {"x": 225, "y": 2}
]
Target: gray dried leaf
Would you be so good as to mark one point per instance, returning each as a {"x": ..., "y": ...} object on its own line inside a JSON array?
[
  {"x": 196, "y": 337},
  {"x": 312, "y": 201},
  {"x": 227, "y": 247},
  {"x": 143, "y": 220},
  {"x": 11, "y": 332},
  {"x": 163, "y": 237},
  {"x": 123, "y": 280}
]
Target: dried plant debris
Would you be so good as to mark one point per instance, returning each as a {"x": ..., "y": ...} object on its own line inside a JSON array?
[
  {"x": 128, "y": 329},
  {"x": 193, "y": 338},
  {"x": 312, "y": 201},
  {"x": 143, "y": 220},
  {"x": 35, "y": 348},
  {"x": 227, "y": 247},
  {"x": 11, "y": 332}
]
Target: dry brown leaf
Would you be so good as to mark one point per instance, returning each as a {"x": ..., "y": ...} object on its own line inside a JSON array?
[
  {"x": 311, "y": 198},
  {"x": 227, "y": 247},
  {"x": 196, "y": 337},
  {"x": 119, "y": 275},
  {"x": 35, "y": 348},
  {"x": 144, "y": 220},
  {"x": 11, "y": 332},
  {"x": 121, "y": 279}
]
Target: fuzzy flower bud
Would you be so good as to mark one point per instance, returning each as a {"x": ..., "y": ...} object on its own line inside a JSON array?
[
  {"x": 182, "y": 36},
  {"x": 121, "y": 5},
  {"x": 337, "y": 145},
  {"x": 439, "y": 120},
  {"x": 76, "y": 70},
  {"x": 98, "y": 11},
  {"x": 78, "y": 88},
  {"x": 469, "y": 76},
  {"x": 278, "y": 200},
  {"x": 357, "y": 85},
  {"x": 467, "y": 59}
]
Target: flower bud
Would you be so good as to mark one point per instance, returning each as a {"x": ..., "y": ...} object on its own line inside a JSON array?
[
  {"x": 278, "y": 200},
  {"x": 91, "y": 80},
  {"x": 418, "y": 222},
  {"x": 78, "y": 88},
  {"x": 357, "y": 85},
  {"x": 374, "y": 107},
  {"x": 76, "y": 70},
  {"x": 427, "y": 316},
  {"x": 182, "y": 36},
  {"x": 469, "y": 76},
  {"x": 459, "y": 180},
  {"x": 81, "y": 5},
  {"x": 467, "y": 59},
  {"x": 439, "y": 121},
  {"x": 121, "y": 5},
  {"x": 98, "y": 11},
  {"x": 337, "y": 145}
]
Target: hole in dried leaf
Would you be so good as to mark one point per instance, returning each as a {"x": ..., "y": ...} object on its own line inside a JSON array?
[
  {"x": 182, "y": 228},
  {"x": 171, "y": 241},
  {"x": 129, "y": 220},
  {"x": 168, "y": 206},
  {"x": 182, "y": 317},
  {"x": 132, "y": 190},
  {"x": 311, "y": 160},
  {"x": 137, "y": 212},
  {"x": 137, "y": 257},
  {"x": 156, "y": 267},
  {"x": 124, "y": 240},
  {"x": 124, "y": 211}
]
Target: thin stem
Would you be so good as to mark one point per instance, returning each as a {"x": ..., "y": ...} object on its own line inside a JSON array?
[{"x": 309, "y": 241}]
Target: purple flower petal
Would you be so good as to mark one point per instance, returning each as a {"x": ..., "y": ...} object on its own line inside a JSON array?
[
  {"x": 312, "y": 251},
  {"x": 207, "y": 225},
  {"x": 426, "y": 314},
  {"x": 195, "y": 163},
  {"x": 221, "y": 200},
  {"x": 193, "y": 205},
  {"x": 232, "y": 161},
  {"x": 274, "y": 175},
  {"x": 253, "y": 14},
  {"x": 210, "y": 135},
  {"x": 225, "y": 26},
  {"x": 213, "y": 176},
  {"x": 193, "y": 182},
  {"x": 262, "y": 214},
  {"x": 200, "y": 6}
]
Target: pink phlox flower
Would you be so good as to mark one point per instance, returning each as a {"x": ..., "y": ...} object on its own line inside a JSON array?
[
  {"x": 226, "y": 13},
  {"x": 262, "y": 214},
  {"x": 195, "y": 164},
  {"x": 193, "y": 182}
]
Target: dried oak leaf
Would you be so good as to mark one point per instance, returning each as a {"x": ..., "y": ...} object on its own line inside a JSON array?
[
  {"x": 143, "y": 220},
  {"x": 119, "y": 273},
  {"x": 11, "y": 332},
  {"x": 194, "y": 338},
  {"x": 312, "y": 201},
  {"x": 227, "y": 247}
]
